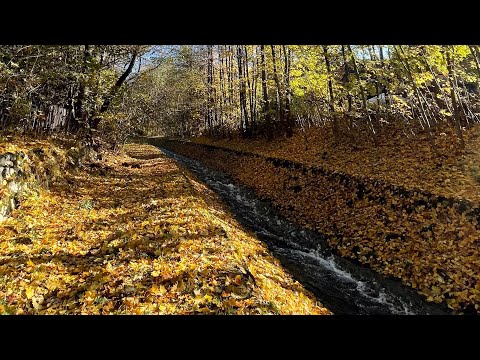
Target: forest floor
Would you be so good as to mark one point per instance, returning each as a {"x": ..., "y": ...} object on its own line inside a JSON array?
[
  {"x": 137, "y": 234},
  {"x": 401, "y": 159}
]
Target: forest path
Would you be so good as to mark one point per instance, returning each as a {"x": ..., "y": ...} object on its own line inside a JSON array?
[{"x": 137, "y": 234}]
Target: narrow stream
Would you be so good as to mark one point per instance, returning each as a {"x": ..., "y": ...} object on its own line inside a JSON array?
[{"x": 342, "y": 286}]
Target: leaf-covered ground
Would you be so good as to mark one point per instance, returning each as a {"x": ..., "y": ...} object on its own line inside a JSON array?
[
  {"x": 138, "y": 235},
  {"x": 427, "y": 242},
  {"x": 15, "y": 143},
  {"x": 401, "y": 159}
]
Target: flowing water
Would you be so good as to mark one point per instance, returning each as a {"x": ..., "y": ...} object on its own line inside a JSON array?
[{"x": 341, "y": 285}]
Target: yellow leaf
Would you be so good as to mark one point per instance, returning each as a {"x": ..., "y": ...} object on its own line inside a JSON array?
[
  {"x": 155, "y": 273},
  {"x": 30, "y": 263},
  {"x": 158, "y": 290},
  {"x": 90, "y": 296},
  {"x": 451, "y": 303},
  {"x": 29, "y": 292}
]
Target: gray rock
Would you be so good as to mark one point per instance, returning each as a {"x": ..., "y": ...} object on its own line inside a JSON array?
[
  {"x": 2, "y": 161},
  {"x": 13, "y": 186},
  {"x": 8, "y": 163},
  {"x": 3, "y": 212},
  {"x": 5, "y": 209}
]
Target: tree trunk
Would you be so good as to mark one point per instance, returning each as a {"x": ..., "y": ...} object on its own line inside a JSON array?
[
  {"x": 222, "y": 89},
  {"x": 278, "y": 88},
  {"x": 242, "y": 93},
  {"x": 209, "y": 117},
  {"x": 474, "y": 51},
  {"x": 346, "y": 84},
  {"x": 288, "y": 91},
  {"x": 108, "y": 99},
  {"x": 364, "y": 98},
  {"x": 229, "y": 93},
  {"x": 330, "y": 92},
  {"x": 456, "y": 111},
  {"x": 404, "y": 61},
  {"x": 373, "y": 56},
  {"x": 95, "y": 120},
  {"x": 250, "y": 90},
  {"x": 346, "y": 79},
  {"x": 80, "y": 115},
  {"x": 445, "y": 104},
  {"x": 266, "y": 104},
  {"x": 255, "y": 85}
]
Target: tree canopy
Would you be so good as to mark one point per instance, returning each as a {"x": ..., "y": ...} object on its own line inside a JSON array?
[{"x": 246, "y": 90}]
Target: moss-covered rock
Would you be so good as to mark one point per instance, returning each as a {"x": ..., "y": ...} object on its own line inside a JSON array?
[{"x": 27, "y": 170}]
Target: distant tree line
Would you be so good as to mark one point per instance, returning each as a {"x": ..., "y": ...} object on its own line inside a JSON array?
[
  {"x": 240, "y": 90},
  {"x": 268, "y": 90}
]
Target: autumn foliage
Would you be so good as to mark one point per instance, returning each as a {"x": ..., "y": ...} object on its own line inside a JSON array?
[
  {"x": 375, "y": 146},
  {"x": 370, "y": 206},
  {"x": 137, "y": 234}
]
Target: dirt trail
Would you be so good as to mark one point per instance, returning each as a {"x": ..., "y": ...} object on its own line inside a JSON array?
[{"x": 138, "y": 235}]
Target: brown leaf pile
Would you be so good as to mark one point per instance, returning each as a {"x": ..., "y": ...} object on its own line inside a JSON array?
[{"x": 138, "y": 235}]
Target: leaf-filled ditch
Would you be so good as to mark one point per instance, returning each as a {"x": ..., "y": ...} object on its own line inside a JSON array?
[{"x": 429, "y": 241}]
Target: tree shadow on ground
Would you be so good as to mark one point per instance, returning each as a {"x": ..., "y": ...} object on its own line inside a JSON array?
[{"x": 103, "y": 265}]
